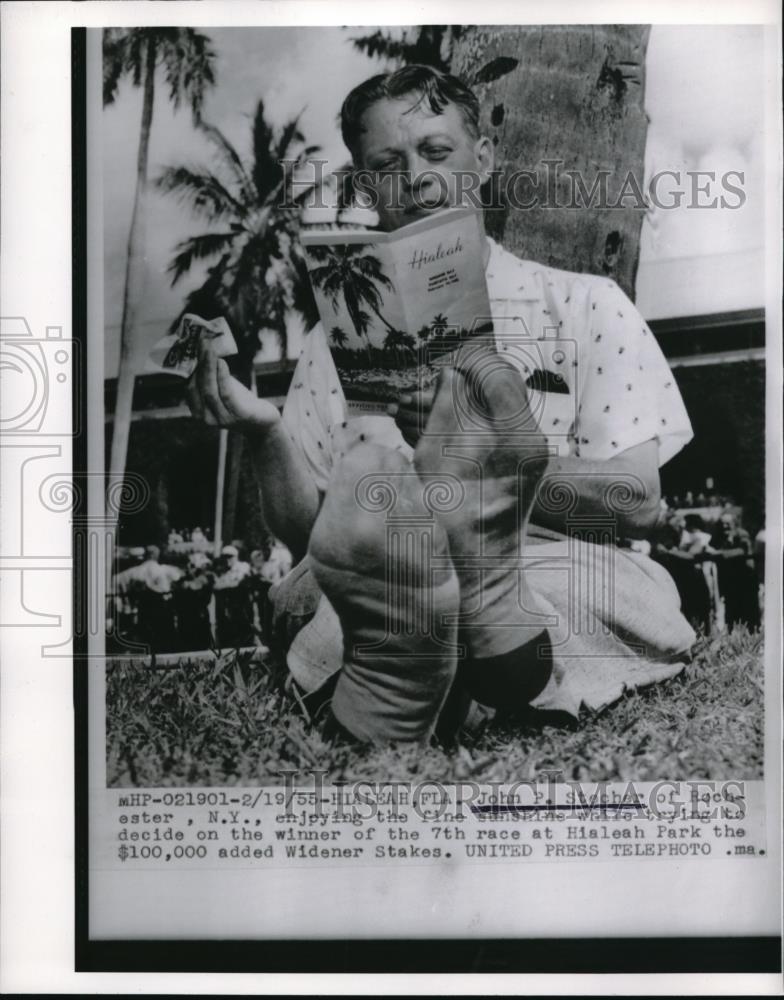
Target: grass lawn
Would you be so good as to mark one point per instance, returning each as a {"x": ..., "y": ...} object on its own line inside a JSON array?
[{"x": 228, "y": 722}]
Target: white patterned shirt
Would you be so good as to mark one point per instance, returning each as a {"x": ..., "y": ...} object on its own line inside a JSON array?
[{"x": 598, "y": 381}]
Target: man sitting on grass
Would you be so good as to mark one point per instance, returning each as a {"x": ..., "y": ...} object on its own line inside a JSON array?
[{"x": 488, "y": 567}]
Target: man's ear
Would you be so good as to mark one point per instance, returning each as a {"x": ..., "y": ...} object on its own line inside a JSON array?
[{"x": 484, "y": 151}]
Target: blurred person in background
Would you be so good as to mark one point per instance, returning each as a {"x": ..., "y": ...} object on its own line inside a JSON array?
[
  {"x": 175, "y": 538},
  {"x": 124, "y": 596},
  {"x": 233, "y": 616},
  {"x": 680, "y": 549},
  {"x": 192, "y": 594},
  {"x": 696, "y": 541},
  {"x": 155, "y": 607},
  {"x": 731, "y": 553},
  {"x": 258, "y": 587},
  {"x": 199, "y": 540}
]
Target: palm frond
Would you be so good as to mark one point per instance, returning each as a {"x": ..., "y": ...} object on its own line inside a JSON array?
[
  {"x": 203, "y": 191},
  {"x": 125, "y": 52},
  {"x": 188, "y": 62},
  {"x": 369, "y": 267},
  {"x": 200, "y": 72},
  {"x": 380, "y": 44},
  {"x": 266, "y": 170},
  {"x": 115, "y": 53},
  {"x": 173, "y": 57},
  {"x": 327, "y": 278},
  {"x": 302, "y": 195},
  {"x": 138, "y": 48},
  {"x": 289, "y": 134},
  {"x": 208, "y": 299},
  {"x": 230, "y": 156},
  {"x": 430, "y": 44},
  {"x": 197, "y": 248},
  {"x": 302, "y": 298}
]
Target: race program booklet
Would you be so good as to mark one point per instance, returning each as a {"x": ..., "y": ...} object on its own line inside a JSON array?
[{"x": 394, "y": 304}]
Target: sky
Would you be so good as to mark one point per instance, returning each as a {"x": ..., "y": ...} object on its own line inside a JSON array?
[{"x": 704, "y": 99}]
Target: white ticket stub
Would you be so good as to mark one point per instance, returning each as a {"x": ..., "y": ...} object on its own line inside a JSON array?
[{"x": 178, "y": 353}]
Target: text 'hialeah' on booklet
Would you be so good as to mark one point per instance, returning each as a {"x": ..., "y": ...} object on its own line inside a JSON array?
[{"x": 393, "y": 303}]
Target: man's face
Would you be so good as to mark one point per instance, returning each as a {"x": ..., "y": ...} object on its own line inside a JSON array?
[{"x": 425, "y": 162}]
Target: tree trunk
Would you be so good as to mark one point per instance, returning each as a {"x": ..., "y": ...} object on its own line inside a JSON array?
[
  {"x": 220, "y": 485},
  {"x": 560, "y": 99},
  {"x": 134, "y": 286}
]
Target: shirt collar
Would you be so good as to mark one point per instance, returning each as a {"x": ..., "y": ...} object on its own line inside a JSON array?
[{"x": 511, "y": 277}]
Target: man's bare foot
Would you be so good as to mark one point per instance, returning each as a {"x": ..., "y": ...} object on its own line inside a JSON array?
[
  {"x": 483, "y": 435},
  {"x": 382, "y": 560}
]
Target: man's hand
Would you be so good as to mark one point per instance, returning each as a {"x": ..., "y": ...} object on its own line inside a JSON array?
[
  {"x": 290, "y": 499},
  {"x": 218, "y": 399},
  {"x": 411, "y": 413}
]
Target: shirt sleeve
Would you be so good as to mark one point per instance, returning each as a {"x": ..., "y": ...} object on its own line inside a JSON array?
[
  {"x": 314, "y": 405},
  {"x": 629, "y": 394}
]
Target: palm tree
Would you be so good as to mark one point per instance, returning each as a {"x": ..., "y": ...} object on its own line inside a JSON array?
[
  {"x": 186, "y": 58},
  {"x": 439, "y": 325},
  {"x": 401, "y": 344},
  {"x": 338, "y": 337},
  {"x": 260, "y": 273},
  {"x": 350, "y": 272}
]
